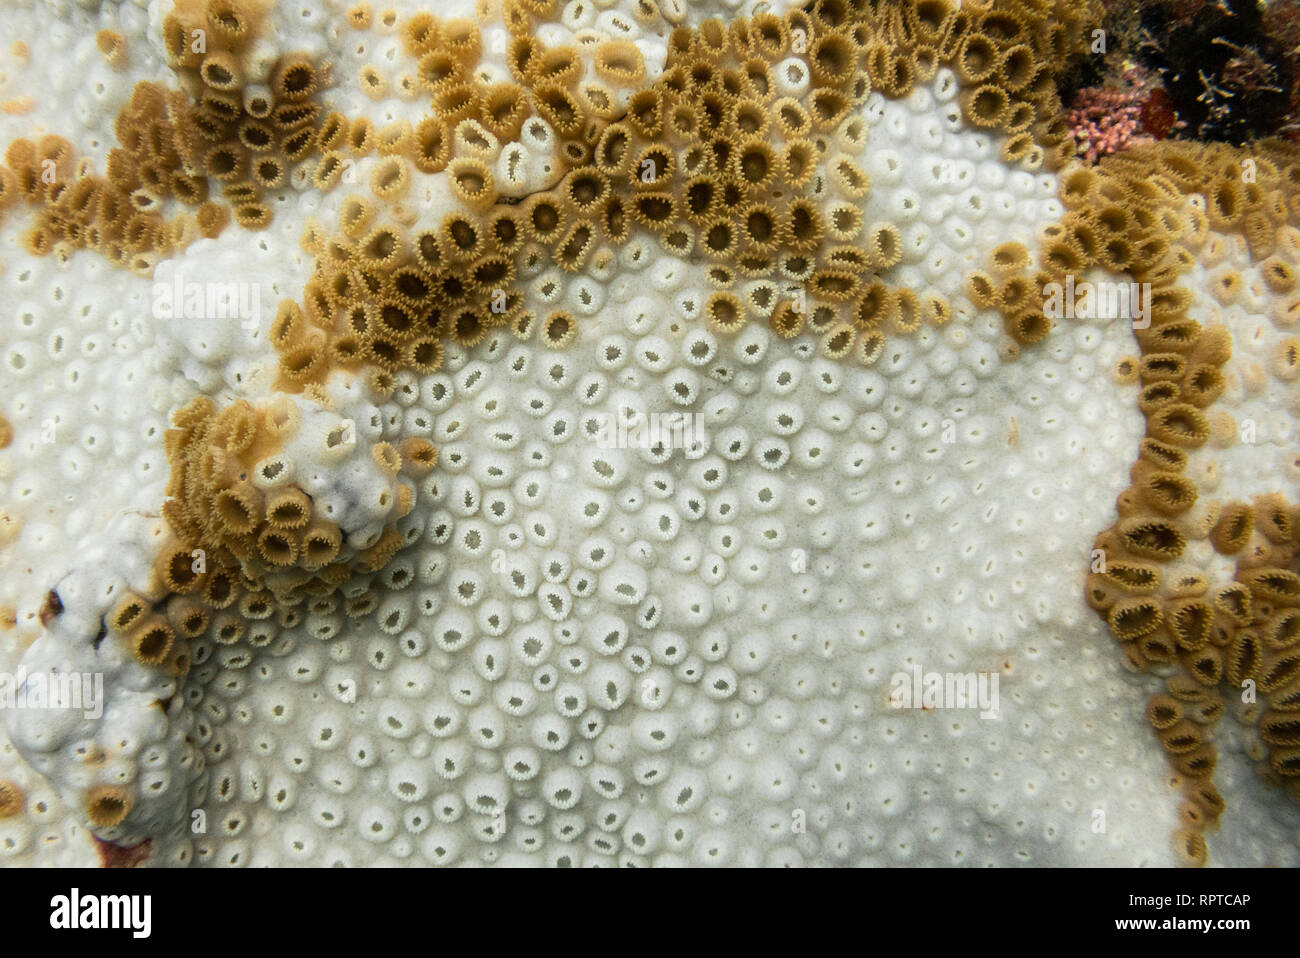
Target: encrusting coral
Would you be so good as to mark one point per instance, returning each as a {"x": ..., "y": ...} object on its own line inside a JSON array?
[
  {"x": 746, "y": 150},
  {"x": 1210, "y": 633},
  {"x": 241, "y": 118},
  {"x": 712, "y": 156}
]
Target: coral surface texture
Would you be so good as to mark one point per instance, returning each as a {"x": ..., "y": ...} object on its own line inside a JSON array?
[{"x": 648, "y": 432}]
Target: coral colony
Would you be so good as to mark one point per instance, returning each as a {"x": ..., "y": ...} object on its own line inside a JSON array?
[{"x": 609, "y": 431}]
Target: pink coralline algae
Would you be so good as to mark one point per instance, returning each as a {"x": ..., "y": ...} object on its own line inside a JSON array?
[{"x": 1106, "y": 120}]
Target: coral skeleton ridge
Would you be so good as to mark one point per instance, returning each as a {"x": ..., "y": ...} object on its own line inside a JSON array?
[{"x": 544, "y": 433}]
